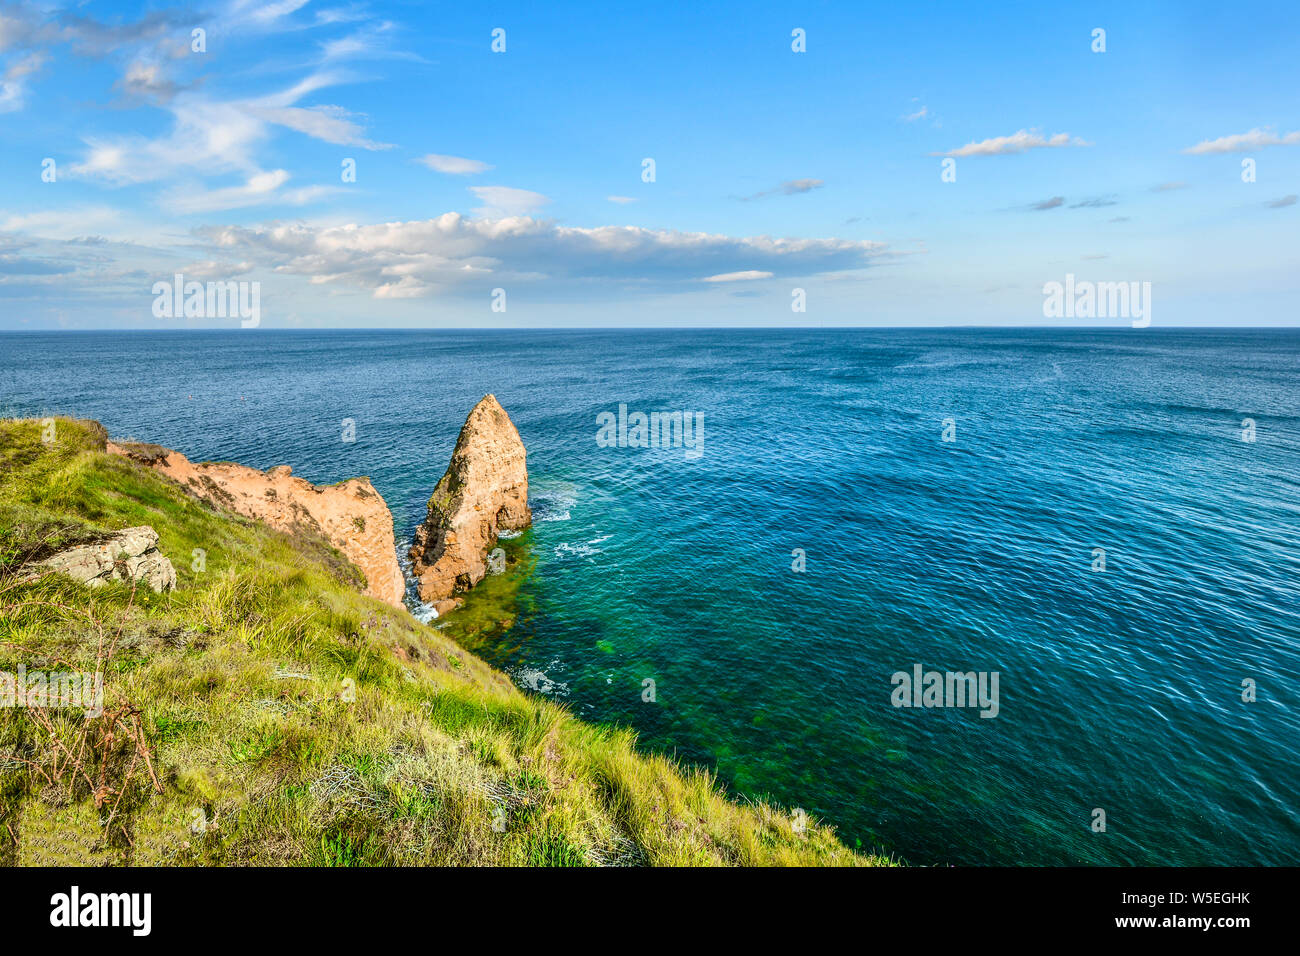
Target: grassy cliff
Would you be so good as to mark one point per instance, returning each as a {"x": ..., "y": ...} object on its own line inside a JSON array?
[{"x": 265, "y": 712}]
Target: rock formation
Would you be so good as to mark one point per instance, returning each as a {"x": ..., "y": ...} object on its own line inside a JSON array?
[
  {"x": 351, "y": 515},
  {"x": 130, "y": 555},
  {"x": 484, "y": 492}
]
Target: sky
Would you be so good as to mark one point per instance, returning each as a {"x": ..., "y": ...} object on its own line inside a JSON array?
[{"x": 385, "y": 165}]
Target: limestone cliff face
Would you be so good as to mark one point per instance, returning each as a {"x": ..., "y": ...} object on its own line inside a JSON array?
[
  {"x": 484, "y": 492},
  {"x": 351, "y": 515}
]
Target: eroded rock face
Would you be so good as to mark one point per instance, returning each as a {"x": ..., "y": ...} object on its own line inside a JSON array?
[
  {"x": 484, "y": 492},
  {"x": 130, "y": 555},
  {"x": 351, "y": 515}
]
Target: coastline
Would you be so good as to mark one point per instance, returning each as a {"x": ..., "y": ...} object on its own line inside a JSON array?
[
  {"x": 968, "y": 555},
  {"x": 284, "y": 717}
]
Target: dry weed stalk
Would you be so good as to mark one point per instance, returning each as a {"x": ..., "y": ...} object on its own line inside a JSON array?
[{"x": 103, "y": 753}]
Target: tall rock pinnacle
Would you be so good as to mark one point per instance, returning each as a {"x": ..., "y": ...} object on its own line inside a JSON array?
[{"x": 484, "y": 492}]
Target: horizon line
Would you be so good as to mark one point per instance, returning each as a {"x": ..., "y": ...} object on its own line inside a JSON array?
[{"x": 666, "y": 328}]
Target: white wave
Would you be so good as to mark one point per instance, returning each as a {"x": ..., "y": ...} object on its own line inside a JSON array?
[
  {"x": 535, "y": 679},
  {"x": 553, "y": 504},
  {"x": 565, "y": 549}
]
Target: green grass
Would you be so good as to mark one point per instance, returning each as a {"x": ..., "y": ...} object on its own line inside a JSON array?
[{"x": 288, "y": 720}]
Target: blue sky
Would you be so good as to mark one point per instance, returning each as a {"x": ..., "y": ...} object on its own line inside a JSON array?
[{"x": 521, "y": 170}]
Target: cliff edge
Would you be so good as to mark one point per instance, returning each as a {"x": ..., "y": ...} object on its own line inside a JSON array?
[
  {"x": 264, "y": 713},
  {"x": 351, "y": 515}
]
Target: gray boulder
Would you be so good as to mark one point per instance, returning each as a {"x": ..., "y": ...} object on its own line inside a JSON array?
[{"x": 130, "y": 555}]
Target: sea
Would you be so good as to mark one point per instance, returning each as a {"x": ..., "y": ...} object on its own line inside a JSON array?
[{"x": 1106, "y": 520}]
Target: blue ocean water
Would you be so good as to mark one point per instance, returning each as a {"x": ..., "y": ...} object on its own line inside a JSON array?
[{"x": 1119, "y": 689}]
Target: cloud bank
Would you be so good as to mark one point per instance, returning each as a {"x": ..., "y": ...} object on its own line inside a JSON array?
[{"x": 422, "y": 257}]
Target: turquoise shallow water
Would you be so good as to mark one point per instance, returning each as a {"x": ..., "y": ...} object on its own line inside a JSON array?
[{"x": 1118, "y": 689}]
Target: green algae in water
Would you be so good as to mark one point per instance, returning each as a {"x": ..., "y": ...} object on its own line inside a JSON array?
[{"x": 497, "y": 603}]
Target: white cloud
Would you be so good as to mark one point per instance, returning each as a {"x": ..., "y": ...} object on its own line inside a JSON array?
[
  {"x": 330, "y": 124},
  {"x": 369, "y": 42},
  {"x": 1017, "y": 142},
  {"x": 739, "y": 276},
  {"x": 207, "y": 136},
  {"x": 922, "y": 113},
  {"x": 1243, "y": 142},
  {"x": 455, "y": 165},
  {"x": 259, "y": 188},
  {"x": 146, "y": 79},
  {"x": 211, "y": 137},
  {"x": 306, "y": 194},
  {"x": 502, "y": 202},
  {"x": 13, "y": 87},
  {"x": 340, "y": 15},
  {"x": 61, "y": 223},
  {"x": 407, "y": 259},
  {"x": 25, "y": 65},
  {"x": 31, "y": 30},
  {"x": 13, "y": 31},
  {"x": 621, "y": 200},
  {"x": 256, "y": 11},
  {"x": 11, "y": 96}
]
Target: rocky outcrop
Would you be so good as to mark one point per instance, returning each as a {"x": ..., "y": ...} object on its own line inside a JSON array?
[
  {"x": 131, "y": 556},
  {"x": 484, "y": 492},
  {"x": 351, "y": 515}
]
